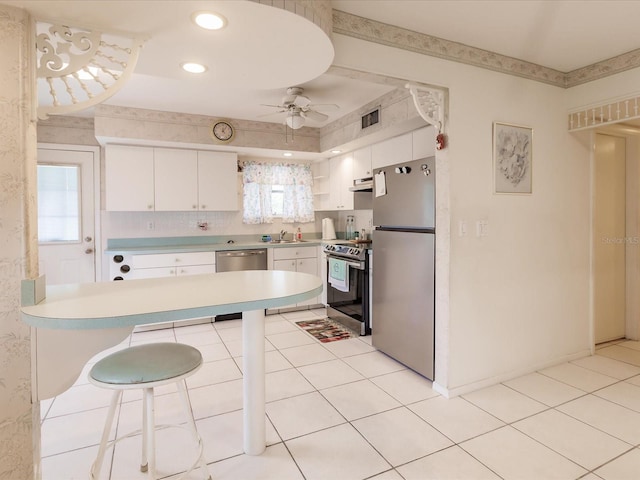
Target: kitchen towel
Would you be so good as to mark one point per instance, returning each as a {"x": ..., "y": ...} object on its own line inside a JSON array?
[{"x": 338, "y": 274}]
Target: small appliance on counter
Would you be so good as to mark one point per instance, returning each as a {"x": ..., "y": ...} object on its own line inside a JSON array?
[{"x": 328, "y": 229}]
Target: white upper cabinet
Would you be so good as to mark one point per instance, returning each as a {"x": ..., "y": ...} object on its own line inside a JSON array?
[
  {"x": 395, "y": 150},
  {"x": 424, "y": 142},
  {"x": 362, "y": 163},
  {"x": 166, "y": 179},
  {"x": 129, "y": 178},
  {"x": 217, "y": 181},
  {"x": 176, "y": 179},
  {"x": 341, "y": 178}
]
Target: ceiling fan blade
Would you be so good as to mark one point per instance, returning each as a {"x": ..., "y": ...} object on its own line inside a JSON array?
[
  {"x": 301, "y": 101},
  {"x": 315, "y": 116},
  {"x": 275, "y": 106},
  {"x": 324, "y": 106}
]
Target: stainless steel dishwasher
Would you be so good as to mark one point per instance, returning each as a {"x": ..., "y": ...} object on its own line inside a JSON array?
[{"x": 237, "y": 260}]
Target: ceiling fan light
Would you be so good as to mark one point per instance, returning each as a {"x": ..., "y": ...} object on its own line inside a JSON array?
[
  {"x": 209, "y": 20},
  {"x": 295, "y": 121}
]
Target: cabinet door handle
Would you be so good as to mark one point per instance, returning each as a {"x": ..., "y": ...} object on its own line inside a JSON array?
[
  {"x": 149, "y": 207},
  {"x": 194, "y": 207},
  {"x": 203, "y": 207}
]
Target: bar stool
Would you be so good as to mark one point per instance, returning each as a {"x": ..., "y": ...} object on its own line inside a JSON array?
[{"x": 146, "y": 367}]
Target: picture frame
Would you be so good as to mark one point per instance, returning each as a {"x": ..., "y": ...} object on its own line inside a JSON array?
[{"x": 512, "y": 158}]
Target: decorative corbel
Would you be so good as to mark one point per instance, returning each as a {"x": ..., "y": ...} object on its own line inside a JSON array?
[
  {"x": 79, "y": 68},
  {"x": 430, "y": 105}
]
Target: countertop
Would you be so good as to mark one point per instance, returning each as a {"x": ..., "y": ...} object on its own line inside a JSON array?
[{"x": 172, "y": 245}]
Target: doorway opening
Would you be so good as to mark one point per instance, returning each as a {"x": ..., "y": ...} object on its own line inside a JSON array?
[{"x": 616, "y": 235}]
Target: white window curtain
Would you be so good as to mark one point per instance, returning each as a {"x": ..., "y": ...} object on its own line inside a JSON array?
[{"x": 296, "y": 180}]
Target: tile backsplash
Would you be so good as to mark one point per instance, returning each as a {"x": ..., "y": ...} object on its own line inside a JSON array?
[{"x": 180, "y": 224}]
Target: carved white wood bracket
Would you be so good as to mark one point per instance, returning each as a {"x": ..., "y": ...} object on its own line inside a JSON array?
[
  {"x": 77, "y": 68},
  {"x": 430, "y": 104}
]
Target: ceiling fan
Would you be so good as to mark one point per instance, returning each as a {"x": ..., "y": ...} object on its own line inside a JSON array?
[{"x": 298, "y": 108}]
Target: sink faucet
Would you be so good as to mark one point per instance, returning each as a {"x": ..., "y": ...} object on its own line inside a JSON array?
[{"x": 282, "y": 234}]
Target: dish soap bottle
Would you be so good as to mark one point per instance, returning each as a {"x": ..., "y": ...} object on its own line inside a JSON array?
[{"x": 299, "y": 235}]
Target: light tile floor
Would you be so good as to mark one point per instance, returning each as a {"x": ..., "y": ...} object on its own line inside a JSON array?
[{"x": 343, "y": 411}]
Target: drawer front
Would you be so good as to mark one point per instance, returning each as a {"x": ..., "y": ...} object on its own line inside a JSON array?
[
  {"x": 174, "y": 259},
  {"x": 195, "y": 269},
  {"x": 294, "y": 252},
  {"x": 157, "y": 272}
]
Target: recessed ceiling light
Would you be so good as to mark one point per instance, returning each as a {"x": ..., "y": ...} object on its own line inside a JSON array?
[
  {"x": 193, "y": 67},
  {"x": 287, "y": 154},
  {"x": 336, "y": 151},
  {"x": 209, "y": 21}
]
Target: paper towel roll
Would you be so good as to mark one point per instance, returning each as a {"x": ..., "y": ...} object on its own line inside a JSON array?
[{"x": 328, "y": 229}]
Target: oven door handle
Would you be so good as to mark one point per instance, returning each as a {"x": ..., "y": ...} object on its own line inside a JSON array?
[
  {"x": 355, "y": 265},
  {"x": 359, "y": 266}
]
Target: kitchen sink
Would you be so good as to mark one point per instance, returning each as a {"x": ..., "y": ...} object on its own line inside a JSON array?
[{"x": 287, "y": 241}]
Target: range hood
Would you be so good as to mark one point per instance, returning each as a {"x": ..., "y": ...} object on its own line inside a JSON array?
[{"x": 362, "y": 185}]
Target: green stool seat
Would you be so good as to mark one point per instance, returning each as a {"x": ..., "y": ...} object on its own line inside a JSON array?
[
  {"x": 146, "y": 367},
  {"x": 148, "y": 363}
]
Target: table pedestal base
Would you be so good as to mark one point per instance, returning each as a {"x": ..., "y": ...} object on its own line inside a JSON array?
[{"x": 253, "y": 382}]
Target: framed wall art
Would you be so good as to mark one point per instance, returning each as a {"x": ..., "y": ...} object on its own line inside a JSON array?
[{"x": 512, "y": 158}]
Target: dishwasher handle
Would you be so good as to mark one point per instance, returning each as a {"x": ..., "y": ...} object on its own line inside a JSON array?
[{"x": 241, "y": 253}]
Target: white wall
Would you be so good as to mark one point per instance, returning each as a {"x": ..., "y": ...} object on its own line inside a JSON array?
[{"x": 518, "y": 297}]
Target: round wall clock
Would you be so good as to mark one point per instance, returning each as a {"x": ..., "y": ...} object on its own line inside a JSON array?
[{"x": 222, "y": 132}]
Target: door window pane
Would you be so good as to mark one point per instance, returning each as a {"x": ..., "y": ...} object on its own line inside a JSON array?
[{"x": 58, "y": 203}]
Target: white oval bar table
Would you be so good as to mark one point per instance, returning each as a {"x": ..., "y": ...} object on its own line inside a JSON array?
[{"x": 95, "y": 316}]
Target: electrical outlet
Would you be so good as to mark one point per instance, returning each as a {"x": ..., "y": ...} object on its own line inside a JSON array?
[{"x": 150, "y": 226}]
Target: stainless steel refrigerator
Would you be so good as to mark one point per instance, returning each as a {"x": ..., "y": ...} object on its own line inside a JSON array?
[{"x": 404, "y": 258}]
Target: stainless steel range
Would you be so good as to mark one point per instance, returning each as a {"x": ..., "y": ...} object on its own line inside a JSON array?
[{"x": 348, "y": 285}]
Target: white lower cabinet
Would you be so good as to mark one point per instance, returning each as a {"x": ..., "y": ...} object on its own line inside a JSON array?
[
  {"x": 297, "y": 259},
  {"x": 172, "y": 265}
]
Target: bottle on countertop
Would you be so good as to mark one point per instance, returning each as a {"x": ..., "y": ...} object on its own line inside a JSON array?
[
  {"x": 350, "y": 227},
  {"x": 299, "y": 234}
]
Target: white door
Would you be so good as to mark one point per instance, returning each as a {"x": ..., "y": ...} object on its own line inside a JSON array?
[{"x": 66, "y": 229}]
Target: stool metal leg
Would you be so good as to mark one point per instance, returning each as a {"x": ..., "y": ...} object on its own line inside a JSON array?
[
  {"x": 149, "y": 432},
  {"x": 144, "y": 464},
  {"x": 97, "y": 465},
  {"x": 182, "y": 389}
]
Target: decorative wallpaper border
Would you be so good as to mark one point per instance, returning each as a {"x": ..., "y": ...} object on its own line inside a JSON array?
[
  {"x": 390, "y": 35},
  {"x": 126, "y": 123}
]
